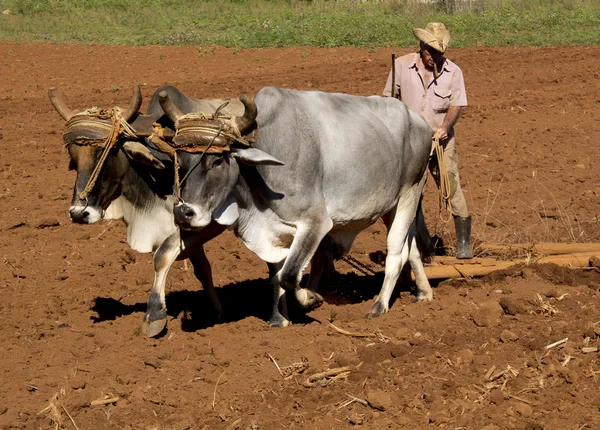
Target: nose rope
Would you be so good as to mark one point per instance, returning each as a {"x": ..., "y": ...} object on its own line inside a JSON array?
[{"x": 178, "y": 183}]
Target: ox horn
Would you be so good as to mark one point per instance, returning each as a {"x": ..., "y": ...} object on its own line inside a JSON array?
[
  {"x": 250, "y": 112},
  {"x": 134, "y": 104},
  {"x": 168, "y": 107},
  {"x": 59, "y": 104}
]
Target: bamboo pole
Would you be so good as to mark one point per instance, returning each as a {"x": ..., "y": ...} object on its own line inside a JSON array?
[
  {"x": 541, "y": 248},
  {"x": 461, "y": 270}
]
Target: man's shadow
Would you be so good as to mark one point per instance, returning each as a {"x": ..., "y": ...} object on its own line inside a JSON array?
[{"x": 251, "y": 298}]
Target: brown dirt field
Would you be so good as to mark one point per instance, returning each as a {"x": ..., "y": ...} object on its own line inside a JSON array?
[{"x": 72, "y": 296}]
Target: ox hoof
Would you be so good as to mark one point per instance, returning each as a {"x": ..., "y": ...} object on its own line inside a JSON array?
[
  {"x": 423, "y": 298},
  {"x": 308, "y": 299},
  {"x": 377, "y": 310},
  {"x": 153, "y": 328},
  {"x": 278, "y": 322}
]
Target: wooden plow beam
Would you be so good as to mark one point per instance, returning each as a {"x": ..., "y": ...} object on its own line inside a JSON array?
[{"x": 574, "y": 255}]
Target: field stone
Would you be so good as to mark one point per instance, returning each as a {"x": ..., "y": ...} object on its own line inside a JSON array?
[
  {"x": 152, "y": 362},
  {"x": 481, "y": 319},
  {"x": 379, "y": 400},
  {"x": 569, "y": 375},
  {"x": 345, "y": 360},
  {"x": 400, "y": 349},
  {"x": 417, "y": 339},
  {"x": 528, "y": 273},
  {"x": 465, "y": 356},
  {"x": 449, "y": 338},
  {"x": 78, "y": 382},
  {"x": 594, "y": 261},
  {"x": 496, "y": 397},
  {"x": 512, "y": 306},
  {"x": 52, "y": 222},
  {"x": 508, "y": 336},
  {"x": 403, "y": 333},
  {"x": 517, "y": 384}
]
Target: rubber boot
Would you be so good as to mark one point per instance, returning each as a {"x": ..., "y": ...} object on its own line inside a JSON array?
[{"x": 463, "y": 237}]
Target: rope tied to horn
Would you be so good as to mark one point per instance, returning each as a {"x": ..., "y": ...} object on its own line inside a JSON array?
[
  {"x": 157, "y": 137},
  {"x": 98, "y": 119},
  {"x": 194, "y": 131}
]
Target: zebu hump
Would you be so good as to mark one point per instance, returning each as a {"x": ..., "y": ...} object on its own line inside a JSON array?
[{"x": 191, "y": 105}]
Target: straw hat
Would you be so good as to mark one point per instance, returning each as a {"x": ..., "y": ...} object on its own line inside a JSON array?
[{"x": 435, "y": 34}]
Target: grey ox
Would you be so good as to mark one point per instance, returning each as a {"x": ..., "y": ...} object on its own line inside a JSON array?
[
  {"x": 324, "y": 167},
  {"x": 135, "y": 183}
]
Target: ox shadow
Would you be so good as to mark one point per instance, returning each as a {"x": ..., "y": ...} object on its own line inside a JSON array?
[{"x": 251, "y": 298}]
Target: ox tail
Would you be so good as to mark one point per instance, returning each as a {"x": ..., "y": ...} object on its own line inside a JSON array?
[{"x": 422, "y": 237}]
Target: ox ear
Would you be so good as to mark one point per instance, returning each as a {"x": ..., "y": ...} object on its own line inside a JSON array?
[
  {"x": 228, "y": 212},
  {"x": 255, "y": 157},
  {"x": 138, "y": 152}
]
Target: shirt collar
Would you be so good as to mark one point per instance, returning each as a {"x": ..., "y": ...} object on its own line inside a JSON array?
[{"x": 418, "y": 61}]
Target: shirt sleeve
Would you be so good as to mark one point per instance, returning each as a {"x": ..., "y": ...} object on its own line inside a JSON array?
[{"x": 459, "y": 94}]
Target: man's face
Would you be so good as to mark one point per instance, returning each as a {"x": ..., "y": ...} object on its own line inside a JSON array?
[{"x": 430, "y": 56}]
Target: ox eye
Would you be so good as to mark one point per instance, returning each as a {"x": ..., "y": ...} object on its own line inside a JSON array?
[{"x": 217, "y": 162}]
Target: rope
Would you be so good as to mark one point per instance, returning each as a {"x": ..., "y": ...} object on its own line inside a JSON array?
[
  {"x": 120, "y": 127},
  {"x": 157, "y": 138},
  {"x": 445, "y": 188},
  {"x": 235, "y": 136},
  {"x": 202, "y": 155},
  {"x": 227, "y": 127}
]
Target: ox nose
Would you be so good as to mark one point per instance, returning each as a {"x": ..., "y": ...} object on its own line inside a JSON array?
[
  {"x": 184, "y": 214},
  {"x": 79, "y": 215}
]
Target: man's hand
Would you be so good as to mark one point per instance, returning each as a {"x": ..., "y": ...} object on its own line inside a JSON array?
[
  {"x": 441, "y": 133},
  {"x": 449, "y": 120}
]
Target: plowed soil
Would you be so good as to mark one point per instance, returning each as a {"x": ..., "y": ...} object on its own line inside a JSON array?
[{"x": 72, "y": 297}]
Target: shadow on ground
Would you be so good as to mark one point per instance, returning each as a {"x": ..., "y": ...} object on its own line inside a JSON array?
[{"x": 250, "y": 298}]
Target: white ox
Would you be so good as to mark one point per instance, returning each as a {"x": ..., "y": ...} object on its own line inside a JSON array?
[{"x": 348, "y": 161}]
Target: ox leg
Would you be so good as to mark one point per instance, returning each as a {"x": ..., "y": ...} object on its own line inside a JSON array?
[
  {"x": 305, "y": 244},
  {"x": 203, "y": 272},
  {"x": 155, "y": 318},
  {"x": 398, "y": 250},
  {"x": 279, "y": 314},
  {"x": 321, "y": 265},
  {"x": 424, "y": 291}
]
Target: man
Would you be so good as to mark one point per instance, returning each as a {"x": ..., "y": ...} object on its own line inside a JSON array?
[{"x": 433, "y": 86}]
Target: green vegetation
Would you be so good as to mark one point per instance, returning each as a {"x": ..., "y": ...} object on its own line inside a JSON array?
[{"x": 275, "y": 23}]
